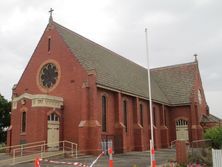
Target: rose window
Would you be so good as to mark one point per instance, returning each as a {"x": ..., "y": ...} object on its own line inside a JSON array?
[{"x": 48, "y": 75}]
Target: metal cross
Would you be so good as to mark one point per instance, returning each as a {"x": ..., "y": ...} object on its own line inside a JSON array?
[
  {"x": 195, "y": 55},
  {"x": 50, "y": 11}
]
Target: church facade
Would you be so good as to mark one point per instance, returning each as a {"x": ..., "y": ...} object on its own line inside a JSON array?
[{"x": 74, "y": 89}]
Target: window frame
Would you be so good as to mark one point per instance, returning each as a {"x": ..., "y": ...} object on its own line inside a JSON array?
[
  {"x": 49, "y": 44},
  {"x": 141, "y": 115},
  {"x": 104, "y": 113},
  {"x": 154, "y": 116},
  {"x": 23, "y": 122},
  {"x": 53, "y": 117},
  {"x": 125, "y": 121}
]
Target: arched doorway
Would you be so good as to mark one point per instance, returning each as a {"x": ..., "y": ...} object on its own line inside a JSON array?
[
  {"x": 182, "y": 129},
  {"x": 53, "y": 132}
]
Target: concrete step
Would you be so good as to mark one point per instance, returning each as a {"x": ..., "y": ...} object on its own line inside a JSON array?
[{"x": 4, "y": 156}]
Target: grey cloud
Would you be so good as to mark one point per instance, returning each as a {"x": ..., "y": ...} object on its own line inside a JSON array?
[{"x": 177, "y": 30}]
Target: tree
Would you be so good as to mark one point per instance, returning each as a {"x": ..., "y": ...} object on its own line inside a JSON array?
[
  {"x": 215, "y": 135},
  {"x": 5, "y": 108}
]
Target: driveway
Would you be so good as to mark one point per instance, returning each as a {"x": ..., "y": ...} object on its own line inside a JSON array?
[{"x": 131, "y": 159}]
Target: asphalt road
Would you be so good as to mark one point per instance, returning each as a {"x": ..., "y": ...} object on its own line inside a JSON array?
[{"x": 131, "y": 159}]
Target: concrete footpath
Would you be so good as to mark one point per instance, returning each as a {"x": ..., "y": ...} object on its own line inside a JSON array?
[{"x": 131, "y": 159}]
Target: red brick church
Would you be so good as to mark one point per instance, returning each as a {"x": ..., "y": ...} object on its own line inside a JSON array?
[{"x": 74, "y": 89}]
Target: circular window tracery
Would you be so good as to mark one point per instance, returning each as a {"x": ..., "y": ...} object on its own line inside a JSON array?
[{"x": 48, "y": 75}]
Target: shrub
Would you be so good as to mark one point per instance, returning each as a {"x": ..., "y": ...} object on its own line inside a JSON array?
[{"x": 215, "y": 135}]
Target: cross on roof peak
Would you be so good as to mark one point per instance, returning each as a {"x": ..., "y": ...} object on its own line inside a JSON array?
[
  {"x": 50, "y": 17},
  {"x": 195, "y": 57}
]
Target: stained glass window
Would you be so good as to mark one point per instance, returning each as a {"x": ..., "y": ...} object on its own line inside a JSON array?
[
  {"x": 48, "y": 75},
  {"x": 125, "y": 114},
  {"x": 104, "y": 113},
  {"x": 23, "y": 122},
  {"x": 141, "y": 114}
]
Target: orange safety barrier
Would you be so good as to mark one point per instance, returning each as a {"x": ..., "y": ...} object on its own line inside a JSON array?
[
  {"x": 37, "y": 162},
  {"x": 153, "y": 157},
  {"x": 110, "y": 151}
]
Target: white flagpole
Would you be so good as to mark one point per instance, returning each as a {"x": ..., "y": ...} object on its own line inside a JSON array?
[{"x": 150, "y": 102}]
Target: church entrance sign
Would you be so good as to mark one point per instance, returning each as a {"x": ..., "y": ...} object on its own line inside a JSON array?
[{"x": 39, "y": 100}]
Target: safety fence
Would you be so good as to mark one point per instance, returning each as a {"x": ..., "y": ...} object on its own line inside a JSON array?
[
  {"x": 106, "y": 144},
  {"x": 78, "y": 164},
  {"x": 107, "y": 148},
  {"x": 217, "y": 158}
]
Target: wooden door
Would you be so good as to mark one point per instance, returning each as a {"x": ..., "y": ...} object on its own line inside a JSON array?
[{"x": 53, "y": 132}]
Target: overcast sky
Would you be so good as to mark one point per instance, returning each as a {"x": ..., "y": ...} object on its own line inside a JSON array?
[{"x": 177, "y": 30}]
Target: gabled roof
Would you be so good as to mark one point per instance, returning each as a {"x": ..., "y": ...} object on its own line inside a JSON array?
[
  {"x": 114, "y": 71},
  {"x": 210, "y": 118},
  {"x": 176, "y": 82}
]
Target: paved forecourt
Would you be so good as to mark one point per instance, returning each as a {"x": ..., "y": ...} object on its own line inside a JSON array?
[{"x": 131, "y": 159}]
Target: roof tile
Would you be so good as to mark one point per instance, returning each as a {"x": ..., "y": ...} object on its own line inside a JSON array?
[{"x": 171, "y": 85}]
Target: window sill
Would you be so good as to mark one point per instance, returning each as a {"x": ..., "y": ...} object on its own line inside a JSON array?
[{"x": 22, "y": 133}]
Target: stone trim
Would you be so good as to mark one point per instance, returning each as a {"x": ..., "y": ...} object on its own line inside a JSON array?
[
  {"x": 41, "y": 88},
  {"x": 39, "y": 100}
]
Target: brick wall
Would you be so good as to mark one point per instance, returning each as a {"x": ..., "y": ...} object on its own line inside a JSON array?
[{"x": 81, "y": 115}]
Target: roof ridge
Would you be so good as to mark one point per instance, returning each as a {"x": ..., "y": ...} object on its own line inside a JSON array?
[
  {"x": 174, "y": 66},
  {"x": 98, "y": 45},
  {"x": 214, "y": 116}
]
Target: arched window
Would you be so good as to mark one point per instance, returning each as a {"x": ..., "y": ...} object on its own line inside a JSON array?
[
  {"x": 23, "y": 122},
  {"x": 181, "y": 122},
  {"x": 53, "y": 117},
  {"x": 141, "y": 115},
  {"x": 49, "y": 44},
  {"x": 182, "y": 129},
  {"x": 104, "y": 113},
  {"x": 125, "y": 114},
  {"x": 154, "y": 116}
]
